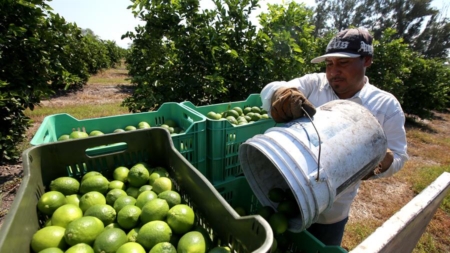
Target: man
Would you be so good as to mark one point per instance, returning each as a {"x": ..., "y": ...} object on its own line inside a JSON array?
[{"x": 347, "y": 56}]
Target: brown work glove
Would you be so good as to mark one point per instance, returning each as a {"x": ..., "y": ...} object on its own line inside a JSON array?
[
  {"x": 382, "y": 166},
  {"x": 287, "y": 103}
]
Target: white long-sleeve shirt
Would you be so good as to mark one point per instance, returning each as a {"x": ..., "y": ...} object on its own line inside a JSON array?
[{"x": 383, "y": 106}]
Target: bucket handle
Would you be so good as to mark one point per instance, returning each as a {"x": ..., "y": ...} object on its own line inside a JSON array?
[{"x": 320, "y": 144}]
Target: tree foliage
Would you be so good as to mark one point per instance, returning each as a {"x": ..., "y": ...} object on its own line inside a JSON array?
[{"x": 209, "y": 56}]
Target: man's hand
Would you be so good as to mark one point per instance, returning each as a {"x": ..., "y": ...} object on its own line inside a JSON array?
[
  {"x": 287, "y": 105},
  {"x": 382, "y": 166}
]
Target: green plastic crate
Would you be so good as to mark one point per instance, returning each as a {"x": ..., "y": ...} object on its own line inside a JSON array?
[
  {"x": 46, "y": 162},
  {"x": 191, "y": 143},
  {"x": 224, "y": 139},
  {"x": 238, "y": 193}
]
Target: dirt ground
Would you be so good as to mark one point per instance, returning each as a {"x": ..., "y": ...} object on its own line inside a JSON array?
[{"x": 373, "y": 200}]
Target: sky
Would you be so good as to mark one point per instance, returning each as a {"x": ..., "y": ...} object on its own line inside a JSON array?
[{"x": 110, "y": 19}]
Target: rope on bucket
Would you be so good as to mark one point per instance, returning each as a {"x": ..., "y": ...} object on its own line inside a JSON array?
[{"x": 320, "y": 144}]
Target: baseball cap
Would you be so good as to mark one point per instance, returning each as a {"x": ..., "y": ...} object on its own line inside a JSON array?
[{"x": 350, "y": 43}]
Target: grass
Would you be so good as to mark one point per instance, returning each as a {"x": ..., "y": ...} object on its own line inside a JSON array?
[{"x": 118, "y": 75}]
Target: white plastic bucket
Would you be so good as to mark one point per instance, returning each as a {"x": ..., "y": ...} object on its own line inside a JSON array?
[{"x": 352, "y": 143}]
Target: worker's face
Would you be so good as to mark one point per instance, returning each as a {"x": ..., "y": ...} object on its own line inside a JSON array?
[{"x": 346, "y": 75}]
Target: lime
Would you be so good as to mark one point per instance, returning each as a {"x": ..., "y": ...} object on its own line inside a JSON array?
[
  {"x": 192, "y": 242},
  {"x": 238, "y": 110},
  {"x": 132, "y": 234},
  {"x": 65, "y": 214},
  {"x": 131, "y": 247},
  {"x": 290, "y": 208},
  {"x": 278, "y": 222},
  {"x": 205, "y": 234},
  {"x": 96, "y": 133},
  {"x": 247, "y": 110},
  {"x": 94, "y": 183},
  {"x": 145, "y": 197},
  {"x": 73, "y": 199},
  {"x": 116, "y": 184},
  {"x": 145, "y": 187},
  {"x": 181, "y": 218},
  {"x": 113, "y": 225},
  {"x": 90, "y": 174},
  {"x": 64, "y": 137},
  {"x": 276, "y": 194},
  {"x": 128, "y": 216},
  {"x": 50, "y": 201},
  {"x": 132, "y": 191},
  {"x": 83, "y": 230},
  {"x": 170, "y": 122},
  {"x": 123, "y": 201},
  {"x": 52, "y": 250},
  {"x": 113, "y": 195},
  {"x": 143, "y": 125},
  {"x": 130, "y": 128},
  {"x": 221, "y": 249},
  {"x": 48, "y": 223},
  {"x": 90, "y": 199},
  {"x": 80, "y": 248},
  {"x": 266, "y": 212},
  {"x": 155, "y": 209},
  {"x": 172, "y": 197},
  {"x": 65, "y": 185},
  {"x": 121, "y": 173},
  {"x": 138, "y": 175},
  {"x": 157, "y": 172},
  {"x": 78, "y": 134},
  {"x": 48, "y": 237},
  {"x": 256, "y": 109},
  {"x": 110, "y": 240},
  {"x": 118, "y": 130},
  {"x": 106, "y": 213},
  {"x": 163, "y": 247},
  {"x": 162, "y": 184},
  {"x": 153, "y": 233}
]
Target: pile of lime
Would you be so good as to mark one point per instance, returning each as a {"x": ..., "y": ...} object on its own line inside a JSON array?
[
  {"x": 169, "y": 124},
  {"x": 278, "y": 219},
  {"x": 240, "y": 116},
  {"x": 138, "y": 210}
]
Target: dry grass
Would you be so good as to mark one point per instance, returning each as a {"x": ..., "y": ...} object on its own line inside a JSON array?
[{"x": 378, "y": 200}]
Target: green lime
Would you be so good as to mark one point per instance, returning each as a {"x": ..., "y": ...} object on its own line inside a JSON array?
[
  {"x": 73, "y": 199},
  {"x": 121, "y": 174},
  {"x": 109, "y": 240},
  {"x": 48, "y": 237},
  {"x": 221, "y": 249},
  {"x": 131, "y": 247},
  {"x": 52, "y": 250},
  {"x": 153, "y": 233},
  {"x": 162, "y": 184},
  {"x": 279, "y": 223},
  {"x": 66, "y": 214},
  {"x": 172, "y": 197},
  {"x": 145, "y": 197},
  {"x": 116, "y": 184},
  {"x": 266, "y": 212},
  {"x": 91, "y": 174},
  {"x": 80, "y": 248},
  {"x": 128, "y": 217},
  {"x": 163, "y": 247},
  {"x": 145, "y": 187},
  {"x": 276, "y": 194},
  {"x": 113, "y": 195},
  {"x": 192, "y": 241},
  {"x": 90, "y": 199},
  {"x": 50, "y": 201},
  {"x": 94, "y": 183},
  {"x": 65, "y": 185},
  {"x": 123, "y": 201},
  {"x": 290, "y": 208},
  {"x": 205, "y": 234},
  {"x": 132, "y": 191},
  {"x": 138, "y": 175},
  {"x": 83, "y": 230},
  {"x": 181, "y": 218},
  {"x": 113, "y": 225},
  {"x": 157, "y": 172},
  {"x": 155, "y": 209},
  {"x": 132, "y": 234},
  {"x": 64, "y": 137},
  {"x": 106, "y": 213}
]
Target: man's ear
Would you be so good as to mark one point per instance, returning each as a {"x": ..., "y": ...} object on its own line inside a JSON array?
[{"x": 368, "y": 61}]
